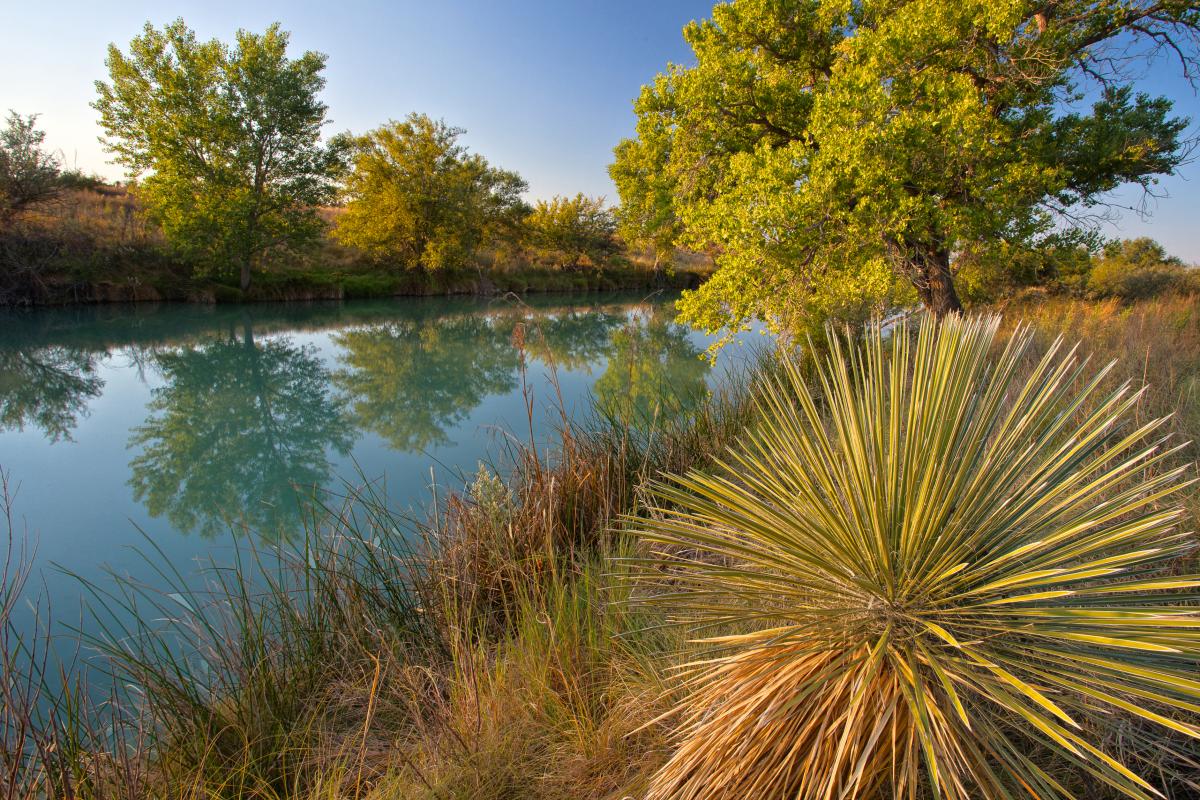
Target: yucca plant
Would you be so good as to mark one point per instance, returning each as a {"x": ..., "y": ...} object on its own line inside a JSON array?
[{"x": 939, "y": 572}]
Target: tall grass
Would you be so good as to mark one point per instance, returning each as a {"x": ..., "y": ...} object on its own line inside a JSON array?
[
  {"x": 1155, "y": 344},
  {"x": 488, "y": 652},
  {"x": 55, "y": 739}
]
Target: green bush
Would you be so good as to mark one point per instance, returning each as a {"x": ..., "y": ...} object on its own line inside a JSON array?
[
  {"x": 1137, "y": 269},
  {"x": 572, "y": 231}
]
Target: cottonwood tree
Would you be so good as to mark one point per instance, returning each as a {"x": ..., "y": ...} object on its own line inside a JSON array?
[
  {"x": 228, "y": 139},
  {"x": 28, "y": 173},
  {"x": 646, "y": 216},
  {"x": 831, "y": 151},
  {"x": 415, "y": 196}
]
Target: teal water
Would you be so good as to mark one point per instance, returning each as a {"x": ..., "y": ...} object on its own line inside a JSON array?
[{"x": 189, "y": 426}]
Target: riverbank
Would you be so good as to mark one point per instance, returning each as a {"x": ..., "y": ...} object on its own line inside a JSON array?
[
  {"x": 94, "y": 246},
  {"x": 331, "y": 286},
  {"x": 499, "y": 657},
  {"x": 315, "y": 285}
]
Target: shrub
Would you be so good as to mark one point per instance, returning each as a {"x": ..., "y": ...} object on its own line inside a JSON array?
[
  {"x": 954, "y": 579},
  {"x": 571, "y": 230},
  {"x": 1137, "y": 269},
  {"x": 28, "y": 174}
]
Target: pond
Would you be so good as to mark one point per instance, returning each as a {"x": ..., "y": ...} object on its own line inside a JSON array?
[{"x": 185, "y": 426}]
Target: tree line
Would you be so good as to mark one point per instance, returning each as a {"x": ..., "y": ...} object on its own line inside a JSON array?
[
  {"x": 225, "y": 148},
  {"x": 836, "y": 159}
]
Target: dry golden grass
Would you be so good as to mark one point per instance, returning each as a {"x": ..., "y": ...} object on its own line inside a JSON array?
[
  {"x": 1156, "y": 343},
  {"x": 107, "y": 217}
]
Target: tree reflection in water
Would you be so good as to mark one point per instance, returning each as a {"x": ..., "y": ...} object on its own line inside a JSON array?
[
  {"x": 240, "y": 418},
  {"x": 47, "y": 387},
  {"x": 410, "y": 380},
  {"x": 237, "y": 434},
  {"x": 654, "y": 371}
]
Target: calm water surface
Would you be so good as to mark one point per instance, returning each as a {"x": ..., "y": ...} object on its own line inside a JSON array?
[{"x": 190, "y": 425}]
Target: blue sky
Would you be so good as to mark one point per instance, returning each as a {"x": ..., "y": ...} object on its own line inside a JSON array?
[{"x": 542, "y": 86}]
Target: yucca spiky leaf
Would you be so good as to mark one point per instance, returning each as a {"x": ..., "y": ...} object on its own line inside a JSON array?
[{"x": 940, "y": 566}]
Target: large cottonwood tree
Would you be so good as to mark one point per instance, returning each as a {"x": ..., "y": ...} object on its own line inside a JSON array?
[
  {"x": 226, "y": 141},
  {"x": 832, "y": 150}
]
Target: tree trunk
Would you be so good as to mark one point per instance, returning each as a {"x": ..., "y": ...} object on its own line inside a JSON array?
[
  {"x": 938, "y": 293},
  {"x": 245, "y": 279}
]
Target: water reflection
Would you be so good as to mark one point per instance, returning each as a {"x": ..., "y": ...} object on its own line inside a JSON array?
[
  {"x": 47, "y": 387},
  {"x": 224, "y": 411},
  {"x": 409, "y": 381},
  {"x": 235, "y": 426},
  {"x": 654, "y": 371},
  {"x": 575, "y": 339}
]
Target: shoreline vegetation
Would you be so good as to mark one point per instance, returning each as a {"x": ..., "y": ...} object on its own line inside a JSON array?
[
  {"x": 94, "y": 245},
  {"x": 957, "y": 560},
  {"x": 495, "y": 650}
]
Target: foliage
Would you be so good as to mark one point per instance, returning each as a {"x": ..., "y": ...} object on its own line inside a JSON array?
[
  {"x": 646, "y": 216},
  {"x": 570, "y": 230},
  {"x": 1079, "y": 266},
  {"x": 240, "y": 434},
  {"x": 225, "y": 140},
  {"x": 1136, "y": 269},
  {"x": 956, "y": 569},
  {"x": 28, "y": 174},
  {"x": 1003, "y": 270},
  {"x": 827, "y": 149},
  {"x": 77, "y": 179},
  {"x": 416, "y": 195}
]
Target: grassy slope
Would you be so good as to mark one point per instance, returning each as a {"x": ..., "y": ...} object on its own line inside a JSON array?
[
  {"x": 95, "y": 246},
  {"x": 515, "y": 670}
]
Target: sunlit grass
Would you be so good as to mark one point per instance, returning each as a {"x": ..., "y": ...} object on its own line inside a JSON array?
[{"x": 514, "y": 666}]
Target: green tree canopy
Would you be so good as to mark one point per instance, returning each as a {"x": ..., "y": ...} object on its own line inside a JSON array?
[
  {"x": 417, "y": 196},
  {"x": 227, "y": 137},
  {"x": 571, "y": 229},
  {"x": 646, "y": 216},
  {"x": 828, "y": 148}
]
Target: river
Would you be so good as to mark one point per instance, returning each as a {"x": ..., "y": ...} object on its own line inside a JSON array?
[{"x": 185, "y": 426}]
